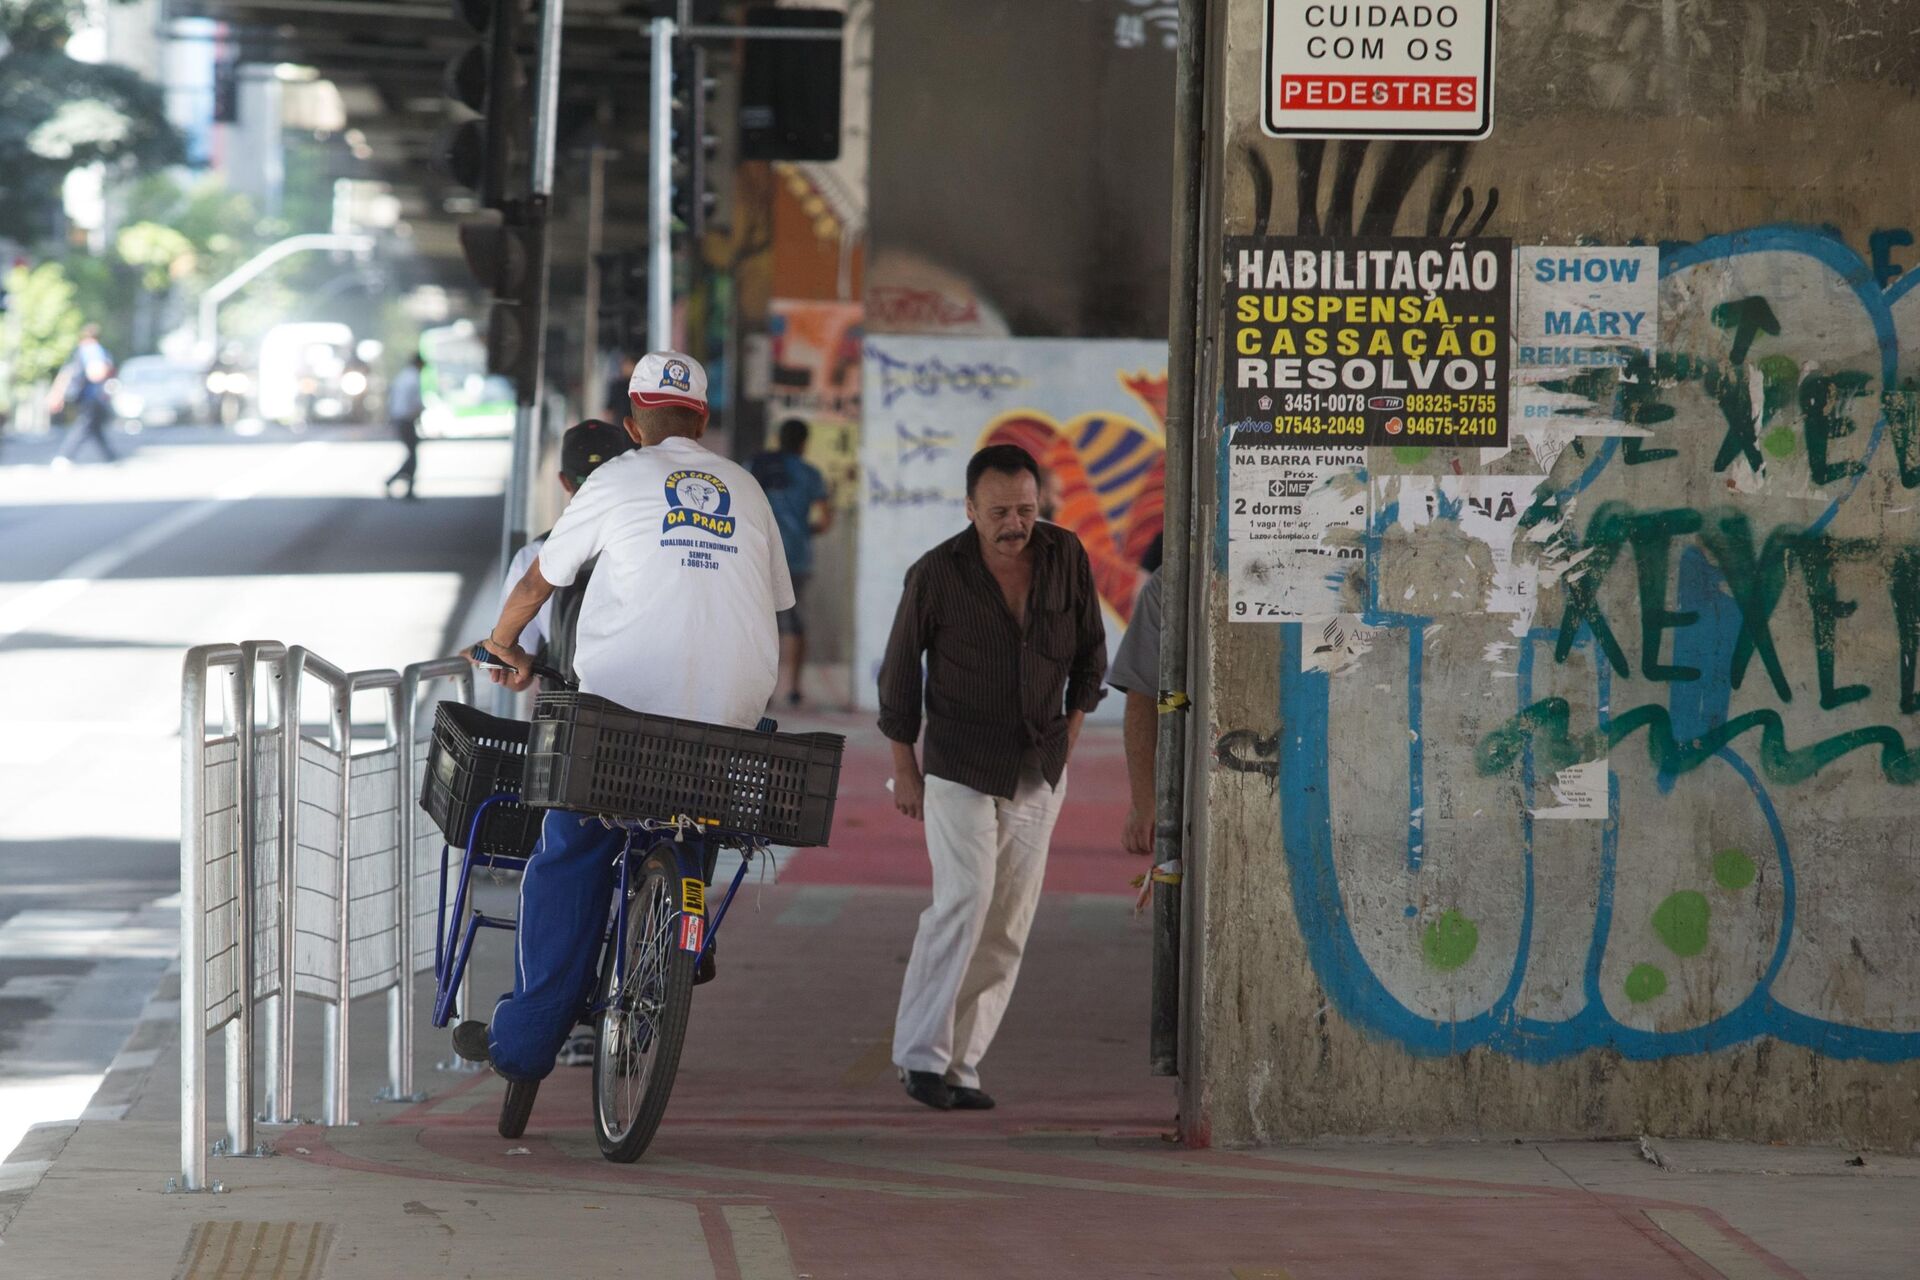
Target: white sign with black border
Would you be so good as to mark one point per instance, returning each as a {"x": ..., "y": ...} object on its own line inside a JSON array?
[{"x": 1379, "y": 70}]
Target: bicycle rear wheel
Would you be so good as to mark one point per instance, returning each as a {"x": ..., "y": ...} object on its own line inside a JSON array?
[{"x": 646, "y": 993}]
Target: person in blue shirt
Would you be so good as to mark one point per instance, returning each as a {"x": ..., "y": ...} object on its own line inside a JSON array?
[
  {"x": 83, "y": 383},
  {"x": 798, "y": 494}
]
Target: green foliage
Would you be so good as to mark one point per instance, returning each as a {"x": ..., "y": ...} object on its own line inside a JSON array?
[
  {"x": 161, "y": 253},
  {"x": 58, "y": 115},
  {"x": 42, "y": 323}
]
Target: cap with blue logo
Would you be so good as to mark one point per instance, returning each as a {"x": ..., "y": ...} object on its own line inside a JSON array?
[{"x": 669, "y": 377}]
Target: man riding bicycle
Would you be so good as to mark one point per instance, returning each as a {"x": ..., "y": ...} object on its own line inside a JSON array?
[{"x": 678, "y": 620}]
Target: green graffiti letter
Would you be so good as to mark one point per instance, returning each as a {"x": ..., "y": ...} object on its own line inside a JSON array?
[
  {"x": 1818, "y": 554},
  {"x": 1756, "y": 583},
  {"x": 1652, "y": 540},
  {"x": 1608, "y": 529},
  {"x": 1824, "y": 401}
]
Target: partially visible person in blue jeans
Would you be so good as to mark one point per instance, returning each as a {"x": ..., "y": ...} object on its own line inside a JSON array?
[{"x": 798, "y": 494}]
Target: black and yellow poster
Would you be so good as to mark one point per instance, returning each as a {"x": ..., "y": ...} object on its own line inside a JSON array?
[{"x": 1367, "y": 341}]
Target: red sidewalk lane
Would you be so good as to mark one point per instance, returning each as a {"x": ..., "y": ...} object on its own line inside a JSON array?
[
  {"x": 789, "y": 1132},
  {"x": 874, "y": 845}
]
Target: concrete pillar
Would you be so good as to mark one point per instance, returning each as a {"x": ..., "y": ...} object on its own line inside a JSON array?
[{"x": 1600, "y": 815}]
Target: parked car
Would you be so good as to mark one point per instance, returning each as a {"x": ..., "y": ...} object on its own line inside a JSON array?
[{"x": 154, "y": 391}]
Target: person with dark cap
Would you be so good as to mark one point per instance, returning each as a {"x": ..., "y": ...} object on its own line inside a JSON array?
[{"x": 551, "y": 633}]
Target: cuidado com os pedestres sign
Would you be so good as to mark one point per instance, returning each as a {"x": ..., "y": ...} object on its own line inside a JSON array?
[{"x": 1378, "y": 70}]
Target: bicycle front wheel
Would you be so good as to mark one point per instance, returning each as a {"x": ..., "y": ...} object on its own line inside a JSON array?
[{"x": 646, "y": 993}]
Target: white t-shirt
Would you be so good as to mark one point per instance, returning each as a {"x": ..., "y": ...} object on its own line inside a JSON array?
[{"x": 678, "y": 616}]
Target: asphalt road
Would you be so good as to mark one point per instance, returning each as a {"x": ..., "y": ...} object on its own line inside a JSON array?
[{"x": 108, "y": 574}]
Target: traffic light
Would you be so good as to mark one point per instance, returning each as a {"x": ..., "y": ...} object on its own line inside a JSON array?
[
  {"x": 694, "y": 141},
  {"x": 623, "y": 301},
  {"x": 488, "y": 83},
  {"x": 504, "y": 255}
]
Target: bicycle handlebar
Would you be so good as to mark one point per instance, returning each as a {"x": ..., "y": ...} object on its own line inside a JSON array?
[{"x": 485, "y": 657}]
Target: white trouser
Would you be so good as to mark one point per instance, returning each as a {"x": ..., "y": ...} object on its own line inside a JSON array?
[{"x": 989, "y": 857}]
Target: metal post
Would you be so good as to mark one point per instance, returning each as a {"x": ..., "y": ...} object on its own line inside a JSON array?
[
  {"x": 547, "y": 95},
  {"x": 239, "y": 1035},
  {"x": 398, "y": 1008},
  {"x": 193, "y": 982},
  {"x": 338, "y": 1026},
  {"x": 291, "y": 740},
  {"x": 659, "y": 190},
  {"x": 527, "y": 417},
  {"x": 590, "y": 313},
  {"x": 1170, "y": 755}
]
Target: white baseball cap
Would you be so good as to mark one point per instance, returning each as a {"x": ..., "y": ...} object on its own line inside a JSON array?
[{"x": 669, "y": 377}]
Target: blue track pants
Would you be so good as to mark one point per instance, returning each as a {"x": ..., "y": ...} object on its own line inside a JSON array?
[{"x": 565, "y": 896}]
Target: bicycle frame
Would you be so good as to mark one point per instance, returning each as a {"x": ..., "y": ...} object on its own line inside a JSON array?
[{"x": 691, "y": 846}]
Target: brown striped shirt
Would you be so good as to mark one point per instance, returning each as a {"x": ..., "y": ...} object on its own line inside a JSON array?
[{"x": 993, "y": 693}]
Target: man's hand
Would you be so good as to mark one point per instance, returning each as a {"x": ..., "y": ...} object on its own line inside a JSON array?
[
  {"x": 909, "y": 788},
  {"x": 909, "y": 794},
  {"x": 1075, "y": 720},
  {"x": 1137, "y": 835},
  {"x": 520, "y": 679}
]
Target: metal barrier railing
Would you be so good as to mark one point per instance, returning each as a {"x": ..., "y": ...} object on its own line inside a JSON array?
[{"x": 326, "y": 832}]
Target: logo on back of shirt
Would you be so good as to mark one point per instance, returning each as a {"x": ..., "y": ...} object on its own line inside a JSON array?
[
  {"x": 698, "y": 500},
  {"x": 676, "y": 374}
]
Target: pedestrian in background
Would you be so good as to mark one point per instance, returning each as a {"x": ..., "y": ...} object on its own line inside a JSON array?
[
  {"x": 82, "y": 382},
  {"x": 1007, "y": 620},
  {"x": 798, "y": 494},
  {"x": 404, "y": 406}
]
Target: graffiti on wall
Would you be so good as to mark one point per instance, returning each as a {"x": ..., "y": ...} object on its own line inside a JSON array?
[
  {"x": 1649, "y": 710},
  {"x": 1091, "y": 413}
]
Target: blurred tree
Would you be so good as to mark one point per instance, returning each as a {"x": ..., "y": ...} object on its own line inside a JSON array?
[
  {"x": 41, "y": 325},
  {"x": 161, "y": 254},
  {"x": 58, "y": 115}
]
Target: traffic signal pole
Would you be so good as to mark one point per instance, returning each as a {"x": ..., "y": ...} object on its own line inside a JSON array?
[
  {"x": 660, "y": 189},
  {"x": 528, "y": 412}
]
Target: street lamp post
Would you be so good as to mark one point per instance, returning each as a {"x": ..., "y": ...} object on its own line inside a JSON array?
[{"x": 248, "y": 271}]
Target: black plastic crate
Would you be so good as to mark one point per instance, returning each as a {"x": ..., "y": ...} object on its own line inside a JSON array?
[
  {"x": 475, "y": 756},
  {"x": 595, "y": 756}
]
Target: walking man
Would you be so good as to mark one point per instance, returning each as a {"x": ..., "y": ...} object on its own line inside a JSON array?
[
  {"x": 82, "y": 381},
  {"x": 798, "y": 494},
  {"x": 404, "y": 406},
  {"x": 1007, "y": 619}
]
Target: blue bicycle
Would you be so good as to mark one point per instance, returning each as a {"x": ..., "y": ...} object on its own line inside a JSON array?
[{"x": 658, "y": 932}]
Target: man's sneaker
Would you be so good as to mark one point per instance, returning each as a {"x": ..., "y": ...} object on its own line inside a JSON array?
[
  {"x": 929, "y": 1088},
  {"x": 965, "y": 1099},
  {"x": 470, "y": 1042},
  {"x": 578, "y": 1050}
]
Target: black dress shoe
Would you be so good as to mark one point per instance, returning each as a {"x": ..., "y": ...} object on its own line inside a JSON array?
[
  {"x": 470, "y": 1042},
  {"x": 965, "y": 1099},
  {"x": 929, "y": 1088}
]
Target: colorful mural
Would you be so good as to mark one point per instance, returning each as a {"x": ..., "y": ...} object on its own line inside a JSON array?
[{"x": 1091, "y": 413}]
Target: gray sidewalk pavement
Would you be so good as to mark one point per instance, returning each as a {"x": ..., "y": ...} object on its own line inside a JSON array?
[{"x": 790, "y": 1151}]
